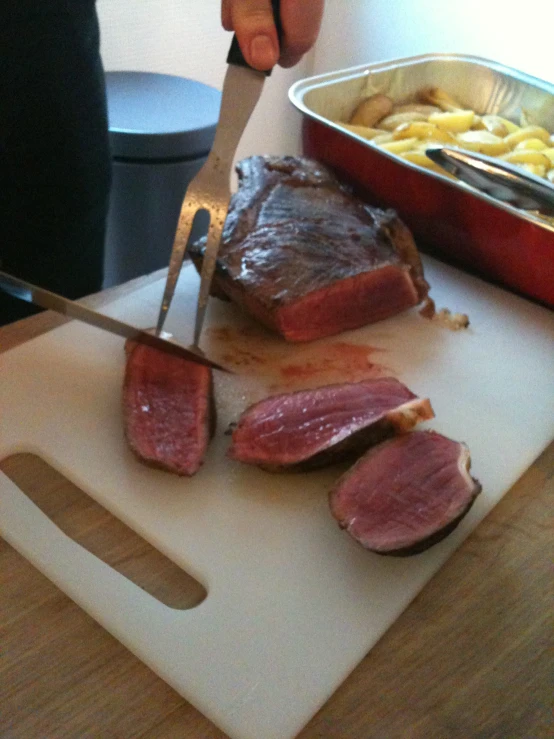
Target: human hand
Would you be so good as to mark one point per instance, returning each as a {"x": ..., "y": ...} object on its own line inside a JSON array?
[{"x": 252, "y": 22}]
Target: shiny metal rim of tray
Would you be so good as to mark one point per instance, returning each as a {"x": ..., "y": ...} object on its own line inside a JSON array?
[{"x": 300, "y": 88}]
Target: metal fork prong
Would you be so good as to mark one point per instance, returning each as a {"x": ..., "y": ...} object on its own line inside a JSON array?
[
  {"x": 208, "y": 266},
  {"x": 184, "y": 227}
]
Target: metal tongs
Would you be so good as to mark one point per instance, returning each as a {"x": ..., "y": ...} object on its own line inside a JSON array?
[
  {"x": 210, "y": 189},
  {"x": 500, "y": 180}
]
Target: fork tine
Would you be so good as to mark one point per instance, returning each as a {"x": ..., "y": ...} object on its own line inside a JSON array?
[
  {"x": 215, "y": 230},
  {"x": 184, "y": 227}
]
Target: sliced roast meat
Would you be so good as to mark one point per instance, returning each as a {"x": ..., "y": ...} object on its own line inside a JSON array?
[
  {"x": 168, "y": 409},
  {"x": 311, "y": 428},
  {"x": 306, "y": 258},
  {"x": 406, "y": 494}
]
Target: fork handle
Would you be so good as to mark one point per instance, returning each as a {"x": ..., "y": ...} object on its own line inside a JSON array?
[{"x": 235, "y": 55}]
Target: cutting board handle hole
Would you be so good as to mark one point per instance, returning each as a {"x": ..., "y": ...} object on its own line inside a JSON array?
[{"x": 96, "y": 530}]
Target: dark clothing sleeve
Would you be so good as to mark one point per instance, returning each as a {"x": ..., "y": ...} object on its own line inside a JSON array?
[{"x": 55, "y": 167}]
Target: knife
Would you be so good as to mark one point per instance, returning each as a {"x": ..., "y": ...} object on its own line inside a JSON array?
[
  {"x": 210, "y": 189},
  {"x": 46, "y": 299}
]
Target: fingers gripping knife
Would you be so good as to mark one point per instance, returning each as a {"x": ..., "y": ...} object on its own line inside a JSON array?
[{"x": 210, "y": 189}]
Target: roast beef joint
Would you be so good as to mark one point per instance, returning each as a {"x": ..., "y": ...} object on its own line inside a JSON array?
[{"x": 306, "y": 258}]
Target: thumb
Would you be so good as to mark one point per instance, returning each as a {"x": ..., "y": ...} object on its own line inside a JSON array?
[{"x": 254, "y": 27}]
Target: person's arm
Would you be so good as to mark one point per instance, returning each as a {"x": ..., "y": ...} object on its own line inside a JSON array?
[{"x": 252, "y": 22}]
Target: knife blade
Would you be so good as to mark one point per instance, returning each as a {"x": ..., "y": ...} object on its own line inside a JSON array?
[{"x": 45, "y": 299}]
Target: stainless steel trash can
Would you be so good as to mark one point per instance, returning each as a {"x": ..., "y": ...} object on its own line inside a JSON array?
[{"x": 161, "y": 130}]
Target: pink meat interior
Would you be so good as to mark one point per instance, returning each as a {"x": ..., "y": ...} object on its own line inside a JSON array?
[
  {"x": 166, "y": 407},
  {"x": 288, "y": 428},
  {"x": 404, "y": 491},
  {"x": 349, "y": 304}
]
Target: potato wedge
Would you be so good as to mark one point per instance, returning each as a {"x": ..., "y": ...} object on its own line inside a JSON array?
[
  {"x": 371, "y": 110},
  {"x": 478, "y": 124},
  {"x": 423, "y": 108},
  {"x": 528, "y": 132},
  {"x": 364, "y": 131},
  {"x": 535, "y": 144},
  {"x": 419, "y": 158},
  {"x": 499, "y": 126},
  {"x": 455, "y": 122},
  {"x": 383, "y": 138},
  {"x": 527, "y": 156},
  {"x": 423, "y": 130},
  {"x": 550, "y": 154},
  {"x": 483, "y": 142},
  {"x": 496, "y": 125},
  {"x": 440, "y": 98},
  {"x": 397, "y": 147},
  {"x": 537, "y": 169},
  {"x": 391, "y": 122}
]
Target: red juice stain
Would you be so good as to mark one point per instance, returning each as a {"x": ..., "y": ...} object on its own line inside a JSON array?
[
  {"x": 298, "y": 371},
  {"x": 251, "y": 351},
  {"x": 238, "y": 349},
  {"x": 242, "y": 358},
  {"x": 338, "y": 362}
]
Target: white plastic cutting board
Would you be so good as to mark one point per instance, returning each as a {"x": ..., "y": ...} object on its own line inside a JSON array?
[{"x": 293, "y": 603}]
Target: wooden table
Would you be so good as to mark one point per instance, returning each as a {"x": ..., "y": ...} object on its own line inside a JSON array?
[{"x": 471, "y": 656}]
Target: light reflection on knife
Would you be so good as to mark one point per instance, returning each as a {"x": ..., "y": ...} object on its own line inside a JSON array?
[{"x": 46, "y": 299}]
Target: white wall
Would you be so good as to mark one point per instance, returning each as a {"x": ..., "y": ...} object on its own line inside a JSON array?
[
  {"x": 518, "y": 33},
  {"x": 185, "y": 37}
]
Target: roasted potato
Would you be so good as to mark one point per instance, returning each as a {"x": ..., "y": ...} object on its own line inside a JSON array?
[
  {"x": 440, "y": 98},
  {"x": 367, "y": 133},
  {"x": 537, "y": 169},
  {"x": 498, "y": 125},
  {"x": 527, "y": 156},
  {"x": 455, "y": 122},
  {"x": 416, "y": 108},
  {"x": 383, "y": 138},
  {"x": 435, "y": 117},
  {"x": 400, "y": 145},
  {"x": 422, "y": 160},
  {"x": 535, "y": 144},
  {"x": 371, "y": 110},
  {"x": 391, "y": 122},
  {"x": 423, "y": 130},
  {"x": 483, "y": 142},
  {"x": 528, "y": 132},
  {"x": 478, "y": 124},
  {"x": 495, "y": 125}
]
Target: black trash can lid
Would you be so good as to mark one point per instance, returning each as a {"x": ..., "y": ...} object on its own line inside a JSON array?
[{"x": 159, "y": 116}]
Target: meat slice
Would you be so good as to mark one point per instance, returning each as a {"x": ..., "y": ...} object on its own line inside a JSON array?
[
  {"x": 311, "y": 428},
  {"x": 168, "y": 409},
  {"x": 306, "y": 258},
  {"x": 406, "y": 494}
]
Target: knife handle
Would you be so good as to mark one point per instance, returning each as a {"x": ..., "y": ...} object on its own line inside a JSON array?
[{"x": 235, "y": 55}]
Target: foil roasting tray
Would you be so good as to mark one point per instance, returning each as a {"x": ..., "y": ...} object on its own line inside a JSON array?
[{"x": 449, "y": 218}]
